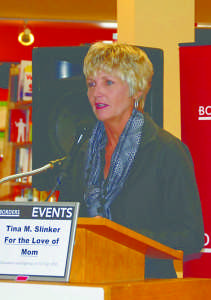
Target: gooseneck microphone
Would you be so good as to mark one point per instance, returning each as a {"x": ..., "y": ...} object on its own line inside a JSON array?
[
  {"x": 50, "y": 165},
  {"x": 65, "y": 162},
  {"x": 79, "y": 141}
]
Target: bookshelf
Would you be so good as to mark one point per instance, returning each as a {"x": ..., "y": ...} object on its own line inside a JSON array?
[{"x": 17, "y": 137}]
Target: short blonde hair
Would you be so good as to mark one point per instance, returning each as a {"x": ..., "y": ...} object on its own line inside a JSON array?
[{"x": 130, "y": 62}]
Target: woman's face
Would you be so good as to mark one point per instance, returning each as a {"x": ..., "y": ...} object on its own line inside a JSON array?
[{"x": 109, "y": 97}]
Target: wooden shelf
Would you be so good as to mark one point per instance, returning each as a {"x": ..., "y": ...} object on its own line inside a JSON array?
[
  {"x": 21, "y": 184},
  {"x": 22, "y": 145},
  {"x": 20, "y": 104}
]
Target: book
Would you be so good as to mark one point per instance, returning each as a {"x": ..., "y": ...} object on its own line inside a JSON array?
[
  {"x": 36, "y": 195},
  {"x": 25, "y": 81},
  {"x": 14, "y": 88},
  {"x": 3, "y": 94},
  {"x": 29, "y": 164},
  {"x": 28, "y": 194},
  {"x": 18, "y": 126},
  {"x": 23, "y": 163},
  {"x": 22, "y": 194},
  {"x": 3, "y": 115},
  {"x": 29, "y": 124},
  {"x": 2, "y": 144}
]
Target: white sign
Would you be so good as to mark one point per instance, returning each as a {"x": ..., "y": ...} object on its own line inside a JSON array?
[
  {"x": 37, "y": 240},
  {"x": 21, "y": 291}
]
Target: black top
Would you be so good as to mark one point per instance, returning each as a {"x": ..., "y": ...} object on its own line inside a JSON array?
[{"x": 159, "y": 199}]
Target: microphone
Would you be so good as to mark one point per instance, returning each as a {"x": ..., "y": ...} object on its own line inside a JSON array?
[
  {"x": 78, "y": 142},
  {"x": 65, "y": 161}
]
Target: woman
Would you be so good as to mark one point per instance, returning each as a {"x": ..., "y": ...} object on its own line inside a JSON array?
[{"x": 134, "y": 172}]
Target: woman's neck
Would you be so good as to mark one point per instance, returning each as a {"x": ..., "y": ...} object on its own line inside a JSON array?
[
  {"x": 114, "y": 129},
  {"x": 113, "y": 133}
]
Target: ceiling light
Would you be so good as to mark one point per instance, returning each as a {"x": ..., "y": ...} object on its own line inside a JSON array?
[{"x": 26, "y": 38}]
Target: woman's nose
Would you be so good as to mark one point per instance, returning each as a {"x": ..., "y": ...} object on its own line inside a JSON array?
[{"x": 97, "y": 90}]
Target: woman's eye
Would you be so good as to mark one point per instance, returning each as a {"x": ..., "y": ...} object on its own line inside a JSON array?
[
  {"x": 109, "y": 82},
  {"x": 90, "y": 83}
]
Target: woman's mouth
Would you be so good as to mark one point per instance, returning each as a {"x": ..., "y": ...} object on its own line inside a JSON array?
[{"x": 100, "y": 105}]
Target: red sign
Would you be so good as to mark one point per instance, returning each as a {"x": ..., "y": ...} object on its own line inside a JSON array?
[{"x": 195, "y": 78}]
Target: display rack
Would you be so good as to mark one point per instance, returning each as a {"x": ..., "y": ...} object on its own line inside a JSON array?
[{"x": 17, "y": 153}]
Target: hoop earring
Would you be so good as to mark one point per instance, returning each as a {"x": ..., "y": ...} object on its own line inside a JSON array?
[{"x": 136, "y": 103}]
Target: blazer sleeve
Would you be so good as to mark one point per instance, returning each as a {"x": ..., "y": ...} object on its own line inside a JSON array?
[{"x": 181, "y": 203}]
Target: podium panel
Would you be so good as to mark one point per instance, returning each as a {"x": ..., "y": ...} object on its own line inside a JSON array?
[
  {"x": 97, "y": 259},
  {"x": 106, "y": 252}
]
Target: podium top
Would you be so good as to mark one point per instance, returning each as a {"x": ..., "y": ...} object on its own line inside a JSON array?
[{"x": 129, "y": 238}]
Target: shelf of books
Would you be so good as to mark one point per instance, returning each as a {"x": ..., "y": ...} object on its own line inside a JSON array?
[{"x": 17, "y": 152}]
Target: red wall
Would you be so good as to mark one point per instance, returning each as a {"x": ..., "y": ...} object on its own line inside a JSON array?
[{"x": 48, "y": 34}]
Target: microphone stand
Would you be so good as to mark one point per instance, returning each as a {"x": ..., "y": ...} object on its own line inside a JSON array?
[
  {"x": 68, "y": 163},
  {"x": 78, "y": 142},
  {"x": 51, "y": 165}
]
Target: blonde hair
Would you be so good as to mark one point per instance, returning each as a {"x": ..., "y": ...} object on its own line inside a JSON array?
[{"x": 130, "y": 62}]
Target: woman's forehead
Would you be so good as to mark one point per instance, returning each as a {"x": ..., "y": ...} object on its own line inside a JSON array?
[
  {"x": 104, "y": 74},
  {"x": 105, "y": 70}
]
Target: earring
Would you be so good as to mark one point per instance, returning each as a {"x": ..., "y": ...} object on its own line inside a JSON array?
[{"x": 136, "y": 103}]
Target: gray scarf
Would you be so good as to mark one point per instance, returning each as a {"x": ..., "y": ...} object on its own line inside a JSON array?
[{"x": 99, "y": 192}]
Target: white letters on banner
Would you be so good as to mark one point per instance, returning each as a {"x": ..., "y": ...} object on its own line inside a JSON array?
[{"x": 204, "y": 112}]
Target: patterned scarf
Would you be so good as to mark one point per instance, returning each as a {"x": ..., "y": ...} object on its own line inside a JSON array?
[{"x": 101, "y": 192}]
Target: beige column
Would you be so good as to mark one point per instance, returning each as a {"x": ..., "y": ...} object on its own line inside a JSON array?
[{"x": 161, "y": 24}]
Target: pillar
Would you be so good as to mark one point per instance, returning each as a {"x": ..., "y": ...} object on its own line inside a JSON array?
[{"x": 161, "y": 24}]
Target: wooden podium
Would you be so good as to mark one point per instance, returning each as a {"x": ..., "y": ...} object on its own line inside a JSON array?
[
  {"x": 108, "y": 264},
  {"x": 112, "y": 256},
  {"x": 106, "y": 252}
]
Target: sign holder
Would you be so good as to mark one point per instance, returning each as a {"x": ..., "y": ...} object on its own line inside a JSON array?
[{"x": 37, "y": 240}]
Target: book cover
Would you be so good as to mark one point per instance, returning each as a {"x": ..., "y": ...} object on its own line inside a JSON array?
[
  {"x": 3, "y": 115},
  {"x": 18, "y": 193},
  {"x": 28, "y": 194},
  {"x": 18, "y": 126},
  {"x": 29, "y": 178},
  {"x": 4, "y": 94},
  {"x": 24, "y": 163},
  {"x": 2, "y": 144},
  {"x": 29, "y": 124},
  {"x": 14, "y": 88},
  {"x": 25, "y": 81},
  {"x": 17, "y": 158},
  {"x": 36, "y": 195}
]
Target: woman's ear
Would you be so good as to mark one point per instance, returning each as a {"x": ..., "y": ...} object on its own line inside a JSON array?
[{"x": 138, "y": 95}]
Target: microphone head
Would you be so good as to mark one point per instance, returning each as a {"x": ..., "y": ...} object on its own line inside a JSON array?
[
  {"x": 79, "y": 140},
  {"x": 83, "y": 135}
]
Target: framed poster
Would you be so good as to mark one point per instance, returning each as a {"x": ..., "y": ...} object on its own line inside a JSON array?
[{"x": 37, "y": 239}]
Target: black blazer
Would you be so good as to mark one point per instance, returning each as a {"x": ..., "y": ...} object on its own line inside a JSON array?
[{"x": 159, "y": 199}]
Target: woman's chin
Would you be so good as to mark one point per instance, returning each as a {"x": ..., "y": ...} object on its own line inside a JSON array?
[{"x": 102, "y": 116}]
